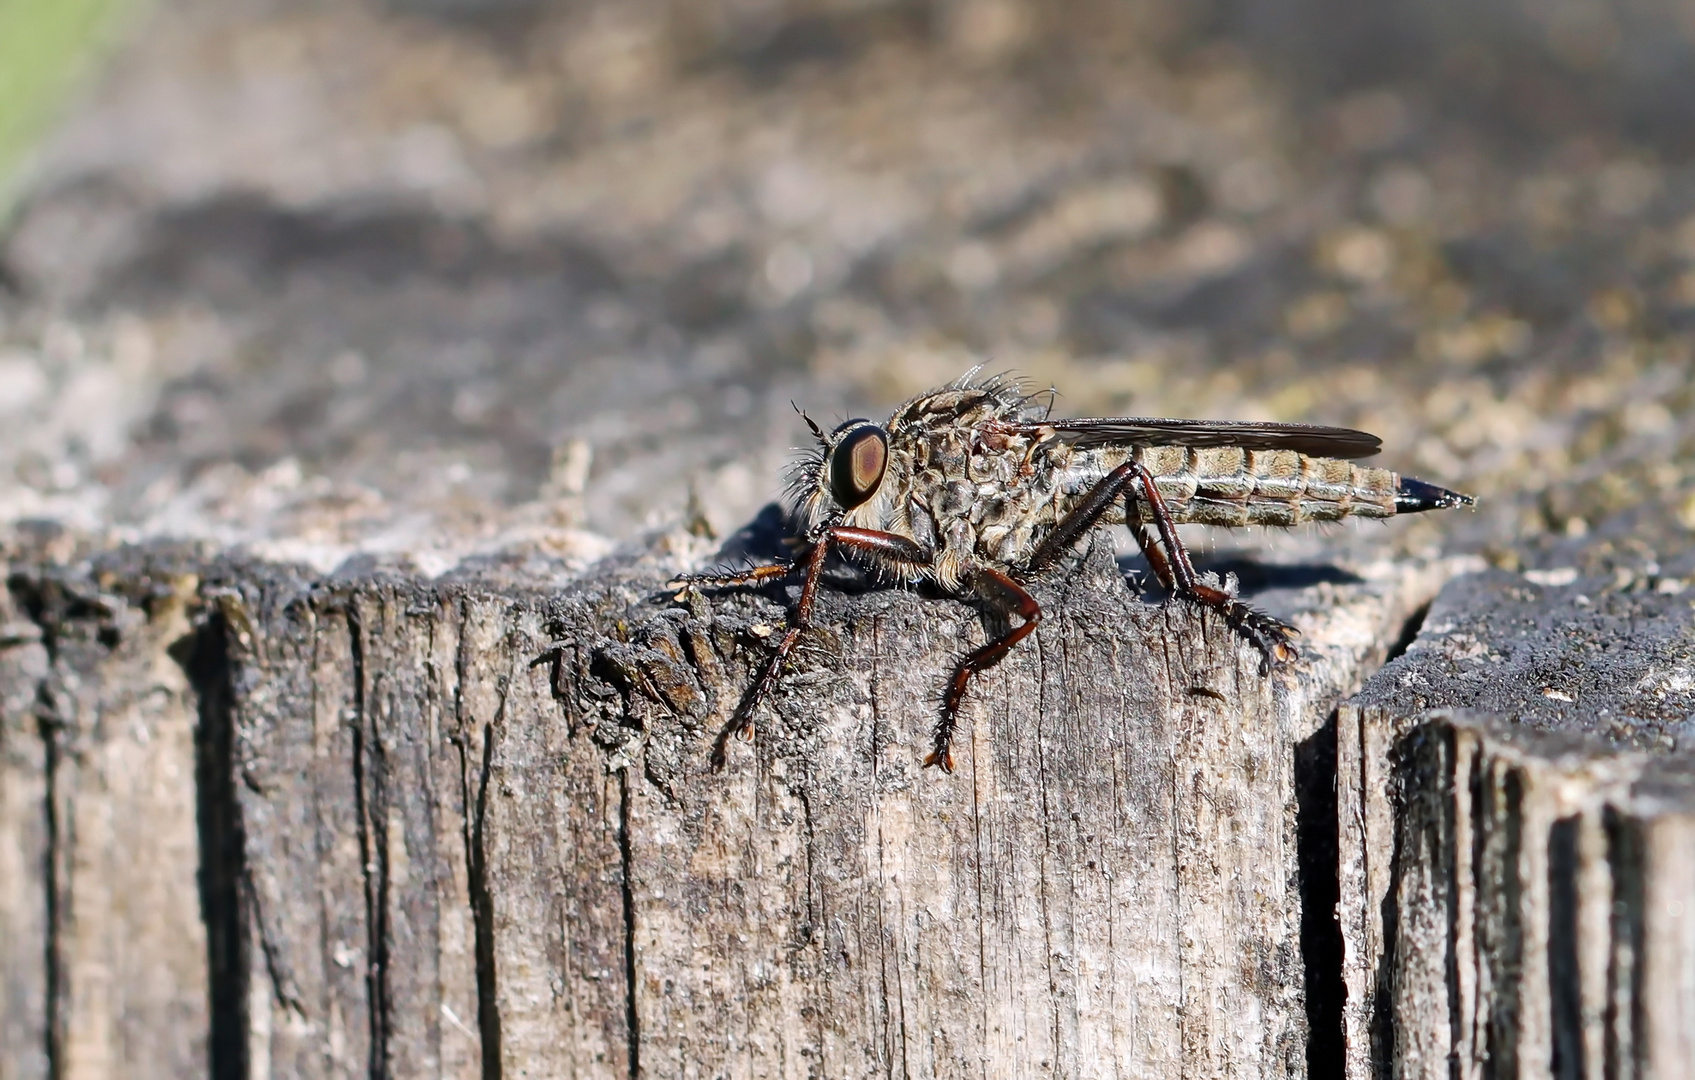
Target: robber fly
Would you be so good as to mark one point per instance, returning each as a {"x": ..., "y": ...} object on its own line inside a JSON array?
[{"x": 976, "y": 489}]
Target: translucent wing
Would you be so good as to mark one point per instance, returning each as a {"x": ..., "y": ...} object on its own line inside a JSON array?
[{"x": 1313, "y": 440}]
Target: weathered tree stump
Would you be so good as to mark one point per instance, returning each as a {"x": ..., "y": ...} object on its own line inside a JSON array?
[
  {"x": 366, "y": 369},
  {"x": 466, "y": 827}
]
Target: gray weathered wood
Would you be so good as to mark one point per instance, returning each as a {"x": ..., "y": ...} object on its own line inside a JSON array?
[
  {"x": 350, "y": 321},
  {"x": 1110, "y": 882},
  {"x": 1541, "y": 907},
  {"x": 26, "y": 843},
  {"x": 105, "y": 946},
  {"x": 1514, "y": 889}
]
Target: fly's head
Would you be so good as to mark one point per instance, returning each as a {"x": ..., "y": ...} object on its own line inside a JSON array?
[{"x": 839, "y": 480}]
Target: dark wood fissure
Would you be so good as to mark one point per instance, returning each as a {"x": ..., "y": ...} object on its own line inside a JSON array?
[{"x": 225, "y": 903}]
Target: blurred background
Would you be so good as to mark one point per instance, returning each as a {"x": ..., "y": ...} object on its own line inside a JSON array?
[{"x": 475, "y": 275}]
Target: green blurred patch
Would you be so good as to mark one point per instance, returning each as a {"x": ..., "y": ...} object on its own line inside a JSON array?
[{"x": 44, "y": 45}]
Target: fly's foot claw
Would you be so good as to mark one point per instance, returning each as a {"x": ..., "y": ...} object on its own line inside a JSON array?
[
  {"x": 1272, "y": 637},
  {"x": 680, "y": 590},
  {"x": 1274, "y": 640}
]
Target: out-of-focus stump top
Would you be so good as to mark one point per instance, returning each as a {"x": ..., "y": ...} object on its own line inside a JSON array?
[{"x": 421, "y": 280}]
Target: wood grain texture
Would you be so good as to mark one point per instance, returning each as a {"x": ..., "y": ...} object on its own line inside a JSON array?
[
  {"x": 1513, "y": 883},
  {"x": 25, "y": 845},
  {"x": 1539, "y": 901},
  {"x": 1108, "y": 886},
  {"x": 453, "y": 831},
  {"x": 101, "y": 831}
]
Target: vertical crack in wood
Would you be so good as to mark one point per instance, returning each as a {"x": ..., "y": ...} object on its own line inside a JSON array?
[
  {"x": 224, "y": 902},
  {"x": 1382, "y": 1032},
  {"x": 475, "y": 803},
  {"x": 482, "y": 901},
  {"x": 894, "y": 1007},
  {"x": 1624, "y": 1019},
  {"x": 1043, "y": 861},
  {"x": 54, "y": 976},
  {"x": 1317, "y": 841},
  {"x": 1465, "y": 803},
  {"x": 977, "y": 875},
  {"x": 1178, "y": 718},
  {"x": 1564, "y": 977},
  {"x": 30, "y": 594},
  {"x": 1505, "y": 1021},
  {"x": 371, "y": 853},
  {"x": 812, "y": 931},
  {"x": 632, "y": 1015}
]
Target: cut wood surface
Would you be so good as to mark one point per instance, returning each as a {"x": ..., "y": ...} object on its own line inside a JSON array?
[
  {"x": 366, "y": 369},
  {"x": 1516, "y": 885}
]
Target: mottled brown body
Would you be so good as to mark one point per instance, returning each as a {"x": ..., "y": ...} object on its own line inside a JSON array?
[
  {"x": 975, "y": 488},
  {"x": 977, "y": 475}
]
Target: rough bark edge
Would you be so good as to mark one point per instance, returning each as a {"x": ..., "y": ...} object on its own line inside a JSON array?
[{"x": 1508, "y": 901}]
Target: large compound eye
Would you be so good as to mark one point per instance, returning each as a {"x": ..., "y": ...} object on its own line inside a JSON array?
[{"x": 857, "y": 462}]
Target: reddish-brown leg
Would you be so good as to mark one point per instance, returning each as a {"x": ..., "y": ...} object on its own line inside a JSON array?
[
  {"x": 1177, "y": 574},
  {"x": 1009, "y": 597},
  {"x": 1171, "y": 566},
  {"x": 886, "y": 547},
  {"x": 752, "y": 577}
]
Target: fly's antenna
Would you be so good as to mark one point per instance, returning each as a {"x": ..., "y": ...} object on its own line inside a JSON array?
[{"x": 816, "y": 430}]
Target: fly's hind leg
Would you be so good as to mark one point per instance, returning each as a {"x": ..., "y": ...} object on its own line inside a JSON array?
[
  {"x": 1008, "y": 596},
  {"x": 1273, "y": 639},
  {"x": 1176, "y": 573}
]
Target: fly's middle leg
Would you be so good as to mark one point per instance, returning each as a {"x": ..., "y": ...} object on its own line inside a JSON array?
[{"x": 1007, "y": 595}]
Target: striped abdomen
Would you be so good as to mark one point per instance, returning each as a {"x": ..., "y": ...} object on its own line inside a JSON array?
[{"x": 1228, "y": 486}]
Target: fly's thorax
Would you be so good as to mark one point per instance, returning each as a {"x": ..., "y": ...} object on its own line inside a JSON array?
[
  {"x": 1230, "y": 486},
  {"x": 986, "y": 503},
  {"x": 965, "y": 407}
]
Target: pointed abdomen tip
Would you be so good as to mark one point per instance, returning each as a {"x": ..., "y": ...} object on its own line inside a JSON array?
[{"x": 1414, "y": 496}]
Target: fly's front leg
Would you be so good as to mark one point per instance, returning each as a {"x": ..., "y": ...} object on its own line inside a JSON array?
[
  {"x": 885, "y": 547},
  {"x": 751, "y": 578},
  {"x": 742, "y": 719},
  {"x": 1009, "y": 597},
  {"x": 1177, "y": 574}
]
